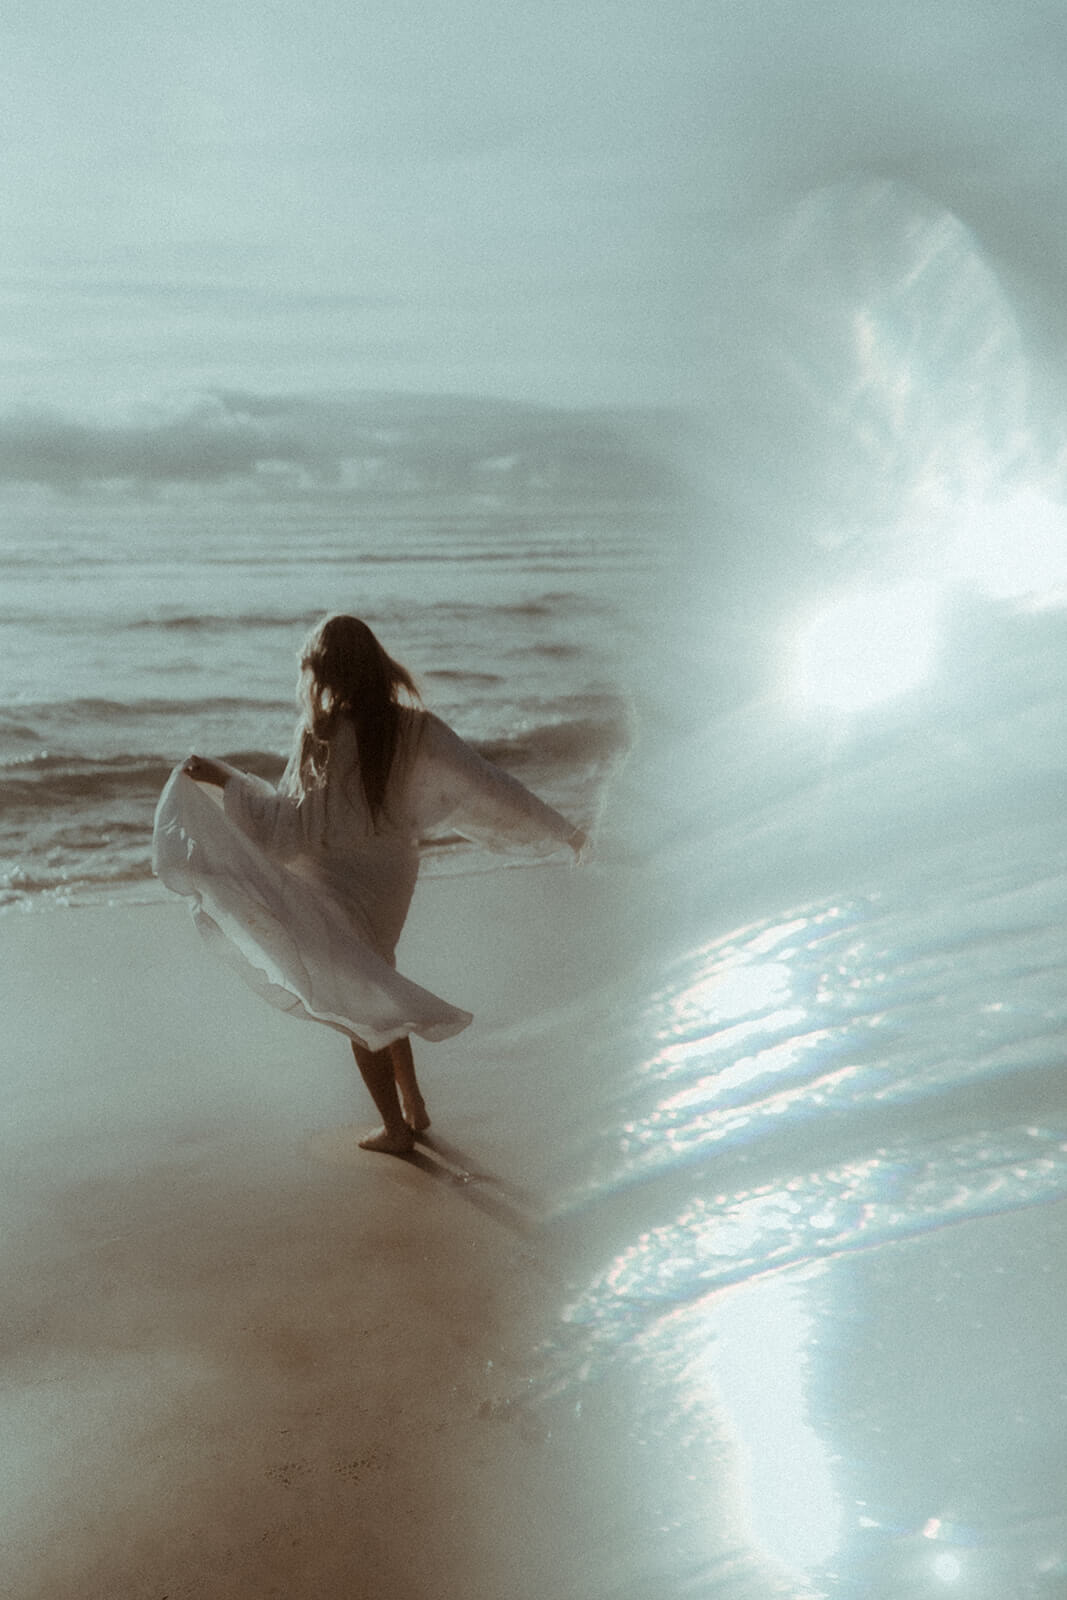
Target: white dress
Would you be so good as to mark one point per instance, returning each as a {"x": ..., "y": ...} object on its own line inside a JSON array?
[{"x": 307, "y": 899}]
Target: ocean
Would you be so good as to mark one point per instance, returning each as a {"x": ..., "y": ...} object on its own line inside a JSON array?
[
  {"x": 132, "y": 637},
  {"x": 816, "y": 705}
]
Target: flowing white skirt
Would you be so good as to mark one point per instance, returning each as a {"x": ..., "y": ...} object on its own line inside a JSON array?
[{"x": 294, "y": 943}]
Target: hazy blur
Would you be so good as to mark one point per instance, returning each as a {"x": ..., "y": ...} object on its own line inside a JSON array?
[{"x": 776, "y": 289}]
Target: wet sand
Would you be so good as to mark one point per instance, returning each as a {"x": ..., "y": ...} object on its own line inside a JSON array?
[{"x": 242, "y": 1357}]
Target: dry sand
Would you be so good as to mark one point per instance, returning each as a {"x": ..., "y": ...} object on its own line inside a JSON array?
[{"x": 243, "y": 1358}]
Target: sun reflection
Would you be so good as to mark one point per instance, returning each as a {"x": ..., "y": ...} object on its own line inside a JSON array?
[
  {"x": 873, "y": 644},
  {"x": 736, "y": 1042},
  {"x": 751, "y": 1364},
  {"x": 868, "y": 647},
  {"x": 725, "y": 991},
  {"x": 947, "y": 1567},
  {"x": 1013, "y": 549},
  {"x": 746, "y": 1069}
]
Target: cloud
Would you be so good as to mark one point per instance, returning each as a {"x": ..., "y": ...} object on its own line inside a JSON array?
[
  {"x": 47, "y": 448},
  {"x": 359, "y": 443}
]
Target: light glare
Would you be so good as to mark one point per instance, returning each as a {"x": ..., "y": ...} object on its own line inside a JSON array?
[
  {"x": 867, "y": 648},
  {"x": 1013, "y": 550},
  {"x": 753, "y": 1367}
]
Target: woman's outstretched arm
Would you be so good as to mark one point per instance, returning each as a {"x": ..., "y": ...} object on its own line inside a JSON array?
[
  {"x": 459, "y": 788},
  {"x": 273, "y": 820}
]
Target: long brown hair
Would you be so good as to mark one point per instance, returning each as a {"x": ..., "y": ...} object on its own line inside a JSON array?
[{"x": 345, "y": 672}]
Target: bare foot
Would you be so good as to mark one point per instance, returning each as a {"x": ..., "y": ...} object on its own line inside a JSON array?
[
  {"x": 392, "y": 1143},
  {"x": 417, "y": 1117}
]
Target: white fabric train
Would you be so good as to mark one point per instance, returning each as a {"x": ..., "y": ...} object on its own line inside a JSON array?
[{"x": 307, "y": 899}]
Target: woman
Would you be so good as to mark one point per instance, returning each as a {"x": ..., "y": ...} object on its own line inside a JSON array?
[{"x": 306, "y": 888}]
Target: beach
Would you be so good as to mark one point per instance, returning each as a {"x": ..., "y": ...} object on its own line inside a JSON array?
[
  {"x": 680, "y": 396},
  {"x": 734, "y": 1263},
  {"x": 246, "y": 1357},
  {"x": 619, "y": 1328}
]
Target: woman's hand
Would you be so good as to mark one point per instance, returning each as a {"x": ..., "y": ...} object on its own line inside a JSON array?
[
  {"x": 205, "y": 771},
  {"x": 578, "y": 841}
]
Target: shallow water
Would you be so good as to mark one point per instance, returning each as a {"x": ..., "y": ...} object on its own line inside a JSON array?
[
  {"x": 132, "y": 639},
  {"x": 819, "y": 1227}
]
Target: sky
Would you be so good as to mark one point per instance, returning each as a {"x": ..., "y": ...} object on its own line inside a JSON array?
[
  {"x": 467, "y": 197},
  {"x": 572, "y": 205}
]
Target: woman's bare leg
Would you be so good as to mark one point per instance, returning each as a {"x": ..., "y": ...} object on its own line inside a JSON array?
[
  {"x": 376, "y": 1068},
  {"x": 415, "y": 1113}
]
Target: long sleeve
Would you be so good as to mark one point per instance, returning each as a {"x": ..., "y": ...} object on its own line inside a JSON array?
[
  {"x": 454, "y": 788},
  {"x": 276, "y": 822}
]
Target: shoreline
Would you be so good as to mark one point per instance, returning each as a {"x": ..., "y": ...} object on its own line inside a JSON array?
[
  {"x": 244, "y": 1356},
  {"x": 457, "y": 858}
]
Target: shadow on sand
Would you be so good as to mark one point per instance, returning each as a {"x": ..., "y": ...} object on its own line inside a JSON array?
[{"x": 513, "y": 1207}]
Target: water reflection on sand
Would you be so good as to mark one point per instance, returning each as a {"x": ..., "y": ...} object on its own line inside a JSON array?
[{"x": 846, "y": 1137}]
